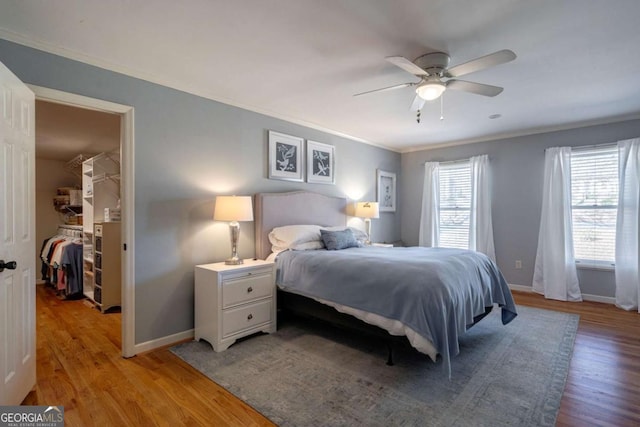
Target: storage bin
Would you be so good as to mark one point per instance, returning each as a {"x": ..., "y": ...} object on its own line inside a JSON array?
[{"x": 111, "y": 215}]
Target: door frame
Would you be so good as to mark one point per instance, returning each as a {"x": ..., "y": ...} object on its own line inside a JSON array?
[{"x": 126, "y": 198}]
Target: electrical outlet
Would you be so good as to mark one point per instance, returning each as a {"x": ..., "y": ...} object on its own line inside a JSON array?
[{"x": 518, "y": 264}]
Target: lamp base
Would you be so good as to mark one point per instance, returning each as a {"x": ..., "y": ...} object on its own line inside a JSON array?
[
  {"x": 234, "y": 232},
  {"x": 234, "y": 261},
  {"x": 367, "y": 226}
]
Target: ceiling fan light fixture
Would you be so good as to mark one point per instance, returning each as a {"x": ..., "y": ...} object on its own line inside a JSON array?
[{"x": 430, "y": 90}]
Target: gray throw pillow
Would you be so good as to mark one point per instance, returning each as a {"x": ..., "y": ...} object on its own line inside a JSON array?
[{"x": 335, "y": 240}]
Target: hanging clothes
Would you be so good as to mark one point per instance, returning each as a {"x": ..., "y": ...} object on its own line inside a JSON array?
[{"x": 61, "y": 257}]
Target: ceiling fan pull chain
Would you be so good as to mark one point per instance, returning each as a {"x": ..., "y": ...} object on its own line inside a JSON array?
[
  {"x": 442, "y": 107},
  {"x": 418, "y": 116}
]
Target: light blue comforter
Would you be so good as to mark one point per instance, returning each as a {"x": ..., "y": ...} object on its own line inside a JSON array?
[{"x": 436, "y": 291}]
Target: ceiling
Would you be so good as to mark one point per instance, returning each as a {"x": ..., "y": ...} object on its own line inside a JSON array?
[
  {"x": 63, "y": 132},
  {"x": 577, "y": 64}
]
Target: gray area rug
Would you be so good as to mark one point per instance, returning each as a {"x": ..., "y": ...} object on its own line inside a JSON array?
[{"x": 311, "y": 374}]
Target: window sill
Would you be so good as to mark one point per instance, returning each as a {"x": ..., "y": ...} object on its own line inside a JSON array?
[{"x": 585, "y": 265}]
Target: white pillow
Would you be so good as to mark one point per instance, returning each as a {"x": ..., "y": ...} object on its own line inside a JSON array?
[
  {"x": 291, "y": 236},
  {"x": 306, "y": 246}
]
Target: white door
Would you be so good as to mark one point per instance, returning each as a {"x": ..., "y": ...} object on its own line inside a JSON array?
[{"x": 17, "y": 244}]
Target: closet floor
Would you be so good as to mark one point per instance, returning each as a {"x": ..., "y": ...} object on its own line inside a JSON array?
[{"x": 79, "y": 366}]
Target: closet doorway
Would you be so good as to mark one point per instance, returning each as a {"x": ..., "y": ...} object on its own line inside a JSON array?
[{"x": 88, "y": 143}]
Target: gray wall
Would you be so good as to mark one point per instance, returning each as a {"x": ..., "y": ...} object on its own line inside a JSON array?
[
  {"x": 517, "y": 166},
  {"x": 187, "y": 150}
]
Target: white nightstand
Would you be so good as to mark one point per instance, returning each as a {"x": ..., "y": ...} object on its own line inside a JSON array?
[
  {"x": 233, "y": 301},
  {"x": 382, "y": 245}
]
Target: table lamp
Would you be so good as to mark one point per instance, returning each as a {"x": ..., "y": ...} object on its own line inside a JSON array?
[
  {"x": 233, "y": 209},
  {"x": 367, "y": 210}
]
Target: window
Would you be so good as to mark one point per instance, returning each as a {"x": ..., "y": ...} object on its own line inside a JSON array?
[
  {"x": 455, "y": 205},
  {"x": 594, "y": 205}
]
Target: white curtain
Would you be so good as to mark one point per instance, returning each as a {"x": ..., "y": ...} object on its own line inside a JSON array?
[
  {"x": 627, "y": 225},
  {"x": 480, "y": 224},
  {"x": 555, "y": 273},
  {"x": 430, "y": 216}
]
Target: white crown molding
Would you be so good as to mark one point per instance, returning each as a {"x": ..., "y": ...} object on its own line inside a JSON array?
[
  {"x": 525, "y": 132},
  {"x": 100, "y": 63}
]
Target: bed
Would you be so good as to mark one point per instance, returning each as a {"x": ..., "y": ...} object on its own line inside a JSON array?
[{"x": 429, "y": 295}]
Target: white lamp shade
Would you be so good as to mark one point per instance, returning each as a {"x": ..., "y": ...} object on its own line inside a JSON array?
[
  {"x": 233, "y": 208},
  {"x": 367, "y": 210},
  {"x": 430, "y": 90}
]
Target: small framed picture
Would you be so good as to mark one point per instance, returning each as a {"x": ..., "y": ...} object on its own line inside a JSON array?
[
  {"x": 386, "y": 191},
  {"x": 285, "y": 157},
  {"x": 321, "y": 163}
]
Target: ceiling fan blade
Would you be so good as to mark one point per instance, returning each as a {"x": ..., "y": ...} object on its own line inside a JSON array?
[
  {"x": 400, "y": 86},
  {"x": 405, "y": 64},
  {"x": 481, "y": 63},
  {"x": 417, "y": 104},
  {"x": 477, "y": 88}
]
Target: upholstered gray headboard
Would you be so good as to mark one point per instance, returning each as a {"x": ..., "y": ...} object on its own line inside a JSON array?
[{"x": 296, "y": 207}]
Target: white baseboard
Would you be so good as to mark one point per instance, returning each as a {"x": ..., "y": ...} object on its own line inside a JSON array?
[
  {"x": 599, "y": 298},
  {"x": 520, "y": 288},
  {"x": 164, "y": 341},
  {"x": 585, "y": 297}
]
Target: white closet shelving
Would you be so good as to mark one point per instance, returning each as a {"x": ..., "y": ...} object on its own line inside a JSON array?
[{"x": 100, "y": 190}]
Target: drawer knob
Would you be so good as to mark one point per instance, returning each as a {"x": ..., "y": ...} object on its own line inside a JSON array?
[
  {"x": 249, "y": 289},
  {"x": 250, "y": 316}
]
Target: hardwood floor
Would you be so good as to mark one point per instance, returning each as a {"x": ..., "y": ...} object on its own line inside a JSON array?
[
  {"x": 603, "y": 385},
  {"x": 80, "y": 367}
]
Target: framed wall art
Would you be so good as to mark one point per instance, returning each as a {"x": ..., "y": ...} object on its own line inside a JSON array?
[
  {"x": 321, "y": 163},
  {"x": 285, "y": 157},
  {"x": 386, "y": 191}
]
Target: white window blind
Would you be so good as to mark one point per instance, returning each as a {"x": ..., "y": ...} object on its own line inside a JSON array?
[
  {"x": 455, "y": 205},
  {"x": 594, "y": 204}
]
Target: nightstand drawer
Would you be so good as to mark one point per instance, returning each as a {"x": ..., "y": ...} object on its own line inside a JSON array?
[
  {"x": 238, "y": 319},
  {"x": 246, "y": 289},
  {"x": 243, "y": 272}
]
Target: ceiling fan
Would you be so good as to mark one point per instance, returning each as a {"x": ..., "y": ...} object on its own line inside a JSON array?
[{"x": 432, "y": 69}]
